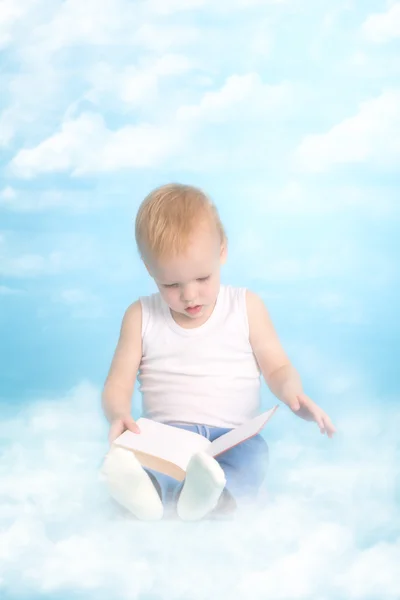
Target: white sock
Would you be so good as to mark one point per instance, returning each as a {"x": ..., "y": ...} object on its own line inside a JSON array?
[
  {"x": 129, "y": 484},
  {"x": 203, "y": 486}
]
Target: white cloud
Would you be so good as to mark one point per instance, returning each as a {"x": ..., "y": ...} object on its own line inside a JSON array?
[
  {"x": 251, "y": 3},
  {"x": 30, "y": 265},
  {"x": 7, "y": 128},
  {"x": 9, "y": 13},
  {"x": 107, "y": 23},
  {"x": 8, "y": 194},
  {"x": 62, "y": 534},
  {"x": 35, "y": 92},
  {"x": 167, "y": 7},
  {"x": 74, "y": 296},
  {"x": 74, "y": 252},
  {"x": 76, "y": 140},
  {"x": 305, "y": 197},
  {"x": 314, "y": 255},
  {"x": 257, "y": 253},
  {"x": 32, "y": 202},
  {"x": 242, "y": 97},
  {"x": 46, "y": 28},
  {"x": 359, "y": 59},
  {"x": 383, "y": 27},
  {"x": 373, "y": 65},
  {"x": 84, "y": 144},
  {"x": 340, "y": 307},
  {"x": 41, "y": 91},
  {"x": 43, "y": 94},
  {"x": 159, "y": 38},
  {"x": 329, "y": 544},
  {"x": 375, "y": 573},
  {"x": 135, "y": 86},
  {"x": 82, "y": 304},
  {"x": 170, "y": 64},
  {"x": 94, "y": 22},
  {"x": 371, "y": 136},
  {"x": 23, "y": 266},
  {"x": 12, "y": 12},
  {"x": 7, "y": 291}
]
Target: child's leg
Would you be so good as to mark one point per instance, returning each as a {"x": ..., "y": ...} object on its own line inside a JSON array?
[
  {"x": 245, "y": 467},
  {"x": 167, "y": 488},
  {"x": 199, "y": 493},
  {"x": 242, "y": 470},
  {"x": 146, "y": 492},
  {"x": 130, "y": 485},
  {"x": 204, "y": 483}
]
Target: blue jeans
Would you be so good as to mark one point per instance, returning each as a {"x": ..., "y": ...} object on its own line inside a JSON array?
[{"x": 244, "y": 465}]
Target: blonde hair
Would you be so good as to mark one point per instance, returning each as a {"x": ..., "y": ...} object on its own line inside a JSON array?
[{"x": 169, "y": 215}]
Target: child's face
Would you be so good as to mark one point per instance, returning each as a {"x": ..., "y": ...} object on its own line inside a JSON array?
[{"x": 190, "y": 283}]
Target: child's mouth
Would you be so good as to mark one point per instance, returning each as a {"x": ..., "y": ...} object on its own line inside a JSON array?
[{"x": 193, "y": 310}]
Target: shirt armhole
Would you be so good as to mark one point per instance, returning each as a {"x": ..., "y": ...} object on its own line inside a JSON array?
[
  {"x": 242, "y": 293},
  {"x": 145, "y": 314}
]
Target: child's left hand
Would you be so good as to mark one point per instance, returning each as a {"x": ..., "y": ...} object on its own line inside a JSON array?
[{"x": 304, "y": 407}]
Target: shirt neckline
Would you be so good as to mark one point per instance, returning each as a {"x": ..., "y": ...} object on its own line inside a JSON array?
[{"x": 193, "y": 331}]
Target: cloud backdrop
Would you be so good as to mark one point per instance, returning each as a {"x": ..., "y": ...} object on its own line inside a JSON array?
[{"x": 288, "y": 114}]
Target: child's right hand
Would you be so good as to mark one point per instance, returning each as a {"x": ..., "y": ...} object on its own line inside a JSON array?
[{"x": 118, "y": 426}]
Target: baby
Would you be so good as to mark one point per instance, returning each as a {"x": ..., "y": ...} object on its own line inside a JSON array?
[{"x": 198, "y": 349}]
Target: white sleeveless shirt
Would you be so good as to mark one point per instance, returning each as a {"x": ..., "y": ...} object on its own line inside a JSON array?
[{"x": 207, "y": 374}]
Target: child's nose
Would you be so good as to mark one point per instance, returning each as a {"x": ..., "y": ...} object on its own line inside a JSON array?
[{"x": 188, "y": 293}]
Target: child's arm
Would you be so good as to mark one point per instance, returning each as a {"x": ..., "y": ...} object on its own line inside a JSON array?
[
  {"x": 281, "y": 377},
  {"x": 120, "y": 382}
]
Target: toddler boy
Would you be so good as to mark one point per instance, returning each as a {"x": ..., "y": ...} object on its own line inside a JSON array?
[{"x": 198, "y": 349}]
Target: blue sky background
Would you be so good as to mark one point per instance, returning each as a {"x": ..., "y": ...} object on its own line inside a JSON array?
[{"x": 288, "y": 114}]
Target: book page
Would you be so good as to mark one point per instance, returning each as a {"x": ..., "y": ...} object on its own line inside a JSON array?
[
  {"x": 164, "y": 441},
  {"x": 241, "y": 433}
]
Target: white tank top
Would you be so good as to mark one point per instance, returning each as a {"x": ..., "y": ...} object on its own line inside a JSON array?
[{"x": 207, "y": 374}]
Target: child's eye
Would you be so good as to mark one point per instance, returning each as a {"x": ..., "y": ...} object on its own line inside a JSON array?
[
  {"x": 170, "y": 285},
  {"x": 204, "y": 278}
]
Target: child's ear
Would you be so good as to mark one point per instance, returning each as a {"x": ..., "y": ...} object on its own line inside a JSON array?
[
  {"x": 147, "y": 267},
  {"x": 224, "y": 253}
]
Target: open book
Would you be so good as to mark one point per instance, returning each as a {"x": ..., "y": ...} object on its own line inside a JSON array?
[{"x": 168, "y": 449}]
